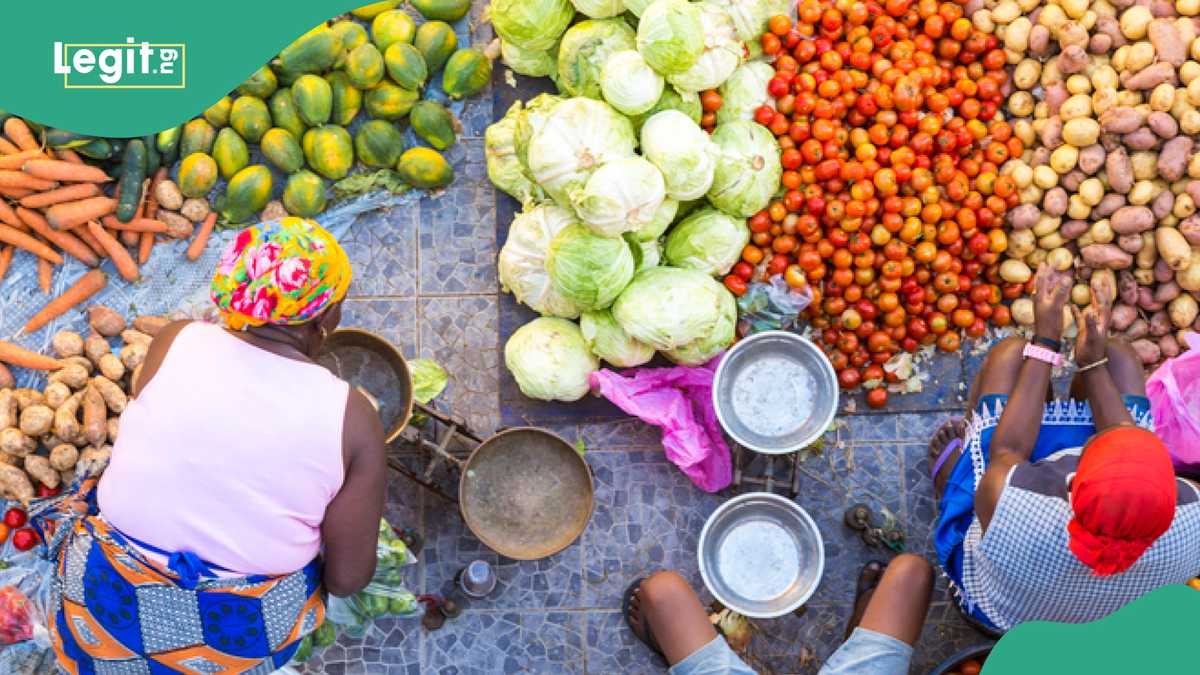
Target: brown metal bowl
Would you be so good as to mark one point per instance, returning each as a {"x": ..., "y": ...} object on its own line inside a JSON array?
[
  {"x": 373, "y": 364},
  {"x": 526, "y": 493}
]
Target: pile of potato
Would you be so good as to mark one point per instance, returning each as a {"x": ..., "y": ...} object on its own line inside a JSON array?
[
  {"x": 49, "y": 437},
  {"x": 1105, "y": 94}
]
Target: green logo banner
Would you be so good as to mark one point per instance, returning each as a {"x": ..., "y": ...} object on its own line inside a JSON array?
[
  {"x": 1153, "y": 634},
  {"x": 136, "y": 67}
]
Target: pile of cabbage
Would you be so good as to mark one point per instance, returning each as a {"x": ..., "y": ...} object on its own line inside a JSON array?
[{"x": 631, "y": 211}]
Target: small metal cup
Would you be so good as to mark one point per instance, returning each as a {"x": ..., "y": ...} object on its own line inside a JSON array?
[{"x": 477, "y": 579}]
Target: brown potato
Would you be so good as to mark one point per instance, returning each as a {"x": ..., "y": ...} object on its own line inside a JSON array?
[
  {"x": 39, "y": 468},
  {"x": 64, "y": 456},
  {"x": 66, "y": 343},
  {"x": 95, "y": 346},
  {"x": 1168, "y": 45},
  {"x": 1140, "y": 328},
  {"x": 114, "y": 397},
  {"x": 36, "y": 420},
  {"x": 1169, "y": 346},
  {"x": 7, "y": 381},
  {"x": 1173, "y": 158},
  {"x": 56, "y": 394},
  {"x": 150, "y": 325},
  {"x": 1131, "y": 220},
  {"x": 130, "y": 336},
  {"x": 168, "y": 195},
  {"x": 132, "y": 355},
  {"x": 1122, "y": 316},
  {"x": 178, "y": 227},
  {"x": 1147, "y": 351},
  {"x": 105, "y": 321},
  {"x": 27, "y": 397},
  {"x": 15, "y": 443},
  {"x": 111, "y": 367},
  {"x": 66, "y": 419},
  {"x": 1106, "y": 255},
  {"x": 8, "y": 409},
  {"x": 114, "y": 425},
  {"x": 92, "y": 461},
  {"x": 1119, "y": 169},
  {"x": 73, "y": 375},
  {"x": 14, "y": 484},
  {"x": 1150, "y": 77}
]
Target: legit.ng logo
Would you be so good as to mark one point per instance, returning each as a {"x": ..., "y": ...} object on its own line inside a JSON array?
[{"x": 121, "y": 65}]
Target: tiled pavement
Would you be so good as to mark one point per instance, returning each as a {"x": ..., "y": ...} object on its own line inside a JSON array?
[{"x": 425, "y": 279}]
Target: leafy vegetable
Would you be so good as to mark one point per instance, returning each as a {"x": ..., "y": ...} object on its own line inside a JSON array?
[
  {"x": 522, "y": 266},
  {"x": 744, "y": 91},
  {"x": 585, "y": 49},
  {"x": 362, "y": 183},
  {"x": 531, "y": 62},
  {"x": 636, "y": 7},
  {"x": 531, "y": 24},
  {"x": 651, "y": 254},
  {"x": 531, "y": 118},
  {"x": 622, "y": 196},
  {"x": 599, "y": 9},
  {"x": 750, "y": 16},
  {"x": 682, "y": 151},
  {"x": 670, "y": 35},
  {"x": 550, "y": 360},
  {"x": 721, "y": 56},
  {"x": 687, "y": 103},
  {"x": 588, "y": 269},
  {"x": 700, "y": 351},
  {"x": 429, "y": 379},
  {"x": 504, "y": 167},
  {"x": 628, "y": 84},
  {"x": 707, "y": 240},
  {"x": 669, "y": 307},
  {"x": 663, "y": 217},
  {"x": 609, "y": 341},
  {"x": 577, "y": 137},
  {"x": 748, "y": 168}
]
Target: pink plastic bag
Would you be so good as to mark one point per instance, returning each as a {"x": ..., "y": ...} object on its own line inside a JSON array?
[
  {"x": 678, "y": 399},
  {"x": 1174, "y": 393}
]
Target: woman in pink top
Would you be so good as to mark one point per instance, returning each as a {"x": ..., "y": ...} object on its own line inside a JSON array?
[{"x": 244, "y": 478}]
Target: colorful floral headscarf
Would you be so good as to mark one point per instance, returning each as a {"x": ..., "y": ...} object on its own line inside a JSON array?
[{"x": 281, "y": 273}]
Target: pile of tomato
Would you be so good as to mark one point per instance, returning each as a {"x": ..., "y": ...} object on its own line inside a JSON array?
[{"x": 893, "y": 203}]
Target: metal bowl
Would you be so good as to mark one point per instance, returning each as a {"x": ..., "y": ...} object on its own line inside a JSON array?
[
  {"x": 761, "y": 555},
  {"x": 375, "y": 366},
  {"x": 977, "y": 652},
  {"x": 526, "y": 493},
  {"x": 775, "y": 392}
]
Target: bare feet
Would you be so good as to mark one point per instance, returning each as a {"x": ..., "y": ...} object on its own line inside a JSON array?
[
  {"x": 868, "y": 581},
  {"x": 951, "y": 430},
  {"x": 664, "y": 612}
]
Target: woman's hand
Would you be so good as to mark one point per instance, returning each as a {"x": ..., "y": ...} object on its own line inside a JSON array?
[
  {"x": 1051, "y": 289},
  {"x": 1092, "y": 343}
]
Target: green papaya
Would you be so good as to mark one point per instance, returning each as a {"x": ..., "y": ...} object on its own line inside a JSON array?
[
  {"x": 424, "y": 168},
  {"x": 198, "y": 136},
  {"x": 314, "y": 99},
  {"x": 368, "y": 12},
  {"x": 433, "y": 123},
  {"x": 324, "y": 635},
  {"x": 167, "y": 143},
  {"x": 329, "y": 151},
  {"x": 282, "y": 149},
  {"x": 304, "y": 194},
  {"x": 364, "y": 66},
  {"x": 442, "y": 10},
  {"x": 406, "y": 66},
  {"x": 389, "y": 102},
  {"x": 217, "y": 114},
  {"x": 304, "y": 651},
  {"x": 250, "y": 118},
  {"x": 284, "y": 114},
  {"x": 390, "y": 27},
  {"x": 197, "y": 174},
  {"x": 436, "y": 41},
  {"x": 313, "y": 52},
  {"x": 378, "y": 144},
  {"x": 262, "y": 83},
  {"x": 247, "y": 193},
  {"x": 350, "y": 35},
  {"x": 230, "y": 152},
  {"x": 347, "y": 100},
  {"x": 467, "y": 72}
]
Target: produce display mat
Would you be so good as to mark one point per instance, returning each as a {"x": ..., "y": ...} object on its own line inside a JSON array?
[{"x": 516, "y": 409}]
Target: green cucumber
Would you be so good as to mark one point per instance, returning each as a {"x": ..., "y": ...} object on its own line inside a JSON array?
[
  {"x": 153, "y": 159},
  {"x": 133, "y": 172}
]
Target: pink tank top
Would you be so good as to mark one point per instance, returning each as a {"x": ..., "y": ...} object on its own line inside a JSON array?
[{"x": 229, "y": 452}]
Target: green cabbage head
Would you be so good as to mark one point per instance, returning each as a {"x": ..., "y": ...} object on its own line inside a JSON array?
[
  {"x": 504, "y": 167},
  {"x": 687, "y": 103},
  {"x": 748, "y": 168},
  {"x": 663, "y": 217},
  {"x": 670, "y": 35},
  {"x": 651, "y": 254},
  {"x": 585, "y": 49},
  {"x": 682, "y": 151},
  {"x": 531, "y": 118},
  {"x": 610, "y": 342},
  {"x": 700, "y": 351},
  {"x": 522, "y": 261},
  {"x": 578, "y": 136},
  {"x": 750, "y": 16},
  {"x": 637, "y": 7},
  {"x": 599, "y": 9},
  {"x": 588, "y": 269},
  {"x": 622, "y": 196},
  {"x": 707, "y": 240},
  {"x": 721, "y": 56},
  {"x": 550, "y": 360},
  {"x": 628, "y": 84},
  {"x": 530, "y": 62},
  {"x": 744, "y": 91},
  {"x": 531, "y": 24},
  {"x": 670, "y": 307}
]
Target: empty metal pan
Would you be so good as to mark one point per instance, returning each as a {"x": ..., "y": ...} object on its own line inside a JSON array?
[
  {"x": 377, "y": 368},
  {"x": 526, "y": 493}
]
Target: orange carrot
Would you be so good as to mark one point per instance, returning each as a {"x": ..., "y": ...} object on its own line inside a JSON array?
[
  {"x": 129, "y": 237},
  {"x": 86, "y": 237},
  {"x": 196, "y": 248},
  {"x": 16, "y": 161},
  {"x": 15, "y": 193},
  {"x": 145, "y": 247},
  {"x": 45, "y": 271},
  {"x": 67, "y": 172},
  {"x": 68, "y": 155},
  {"x": 70, "y": 214},
  {"x": 8, "y": 216},
  {"x": 11, "y": 235},
  {"x": 87, "y": 286},
  {"x": 19, "y": 356},
  {"x": 20, "y": 179},
  {"x": 66, "y": 193},
  {"x": 120, "y": 257},
  {"x": 6, "y": 253},
  {"x": 18, "y": 132},
  {"x": 7, "y": 148},
  {"x": 68, "y": 242},
  {"x": 135, "y": 225}
]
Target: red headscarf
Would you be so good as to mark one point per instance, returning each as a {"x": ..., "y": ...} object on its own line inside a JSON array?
[{"x": 1123, "y": 496}]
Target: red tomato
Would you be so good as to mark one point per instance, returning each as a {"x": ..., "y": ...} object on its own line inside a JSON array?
[
  {"x": 764, "y": 115},
  {"x": 848, "y": 378},
  {"x": 736, "y": 285},
  {"x": 877, "y": 397},
  {"x": 743, "y": 270},
  {"x": 24, "y": 539},
  {"x": 43, "y": 491},
  {"x": 15, "y": 518}
]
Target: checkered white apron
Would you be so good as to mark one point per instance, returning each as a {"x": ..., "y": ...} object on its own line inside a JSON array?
[{"x": 1023, "y": 569}]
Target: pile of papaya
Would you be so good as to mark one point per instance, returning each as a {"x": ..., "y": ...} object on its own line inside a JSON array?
[{"x": 296, "y": 110}]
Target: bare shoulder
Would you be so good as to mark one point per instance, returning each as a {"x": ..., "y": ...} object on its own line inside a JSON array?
[{"x": 363, "y": 431}]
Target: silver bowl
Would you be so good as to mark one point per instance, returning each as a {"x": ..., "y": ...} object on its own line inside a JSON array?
[
  {"x": 775, "y": 392},
  {"x": 761, "y": 555}
]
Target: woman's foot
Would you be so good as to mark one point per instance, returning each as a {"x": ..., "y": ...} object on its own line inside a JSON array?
[
  {"x": 664, "y": 612},
  {"x": 944, "y": 450},
  {"x": 868, "y": 581}
]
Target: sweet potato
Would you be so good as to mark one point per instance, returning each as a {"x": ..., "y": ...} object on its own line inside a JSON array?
[
  {"x": 1131, "y": 220},
  {"x": 1190, "y": 229},
  {"x": 105, "y": 321},
  {"x": 56, "y": 393},
  {"x": 130, "y": 336},
  {"x": 14, "y": 484},
  {"x": 1121, "y": 120},
  {"x": 1169, "y": 346},
  {"x": 1073, "y": 229},
  {"x": 39, "y": 468},
  {"x": 1130, "y": 243},
  {"x": 1140, "y": 328},
  {"x": 95, "y": 417},
  {"x": 36, "y": 420},
  {"x": 1122, "y": 316},
  {"x": 1173, "y": 158},
  {"x": 110, "y": 366},
  {"x": 114, "y": 424},
  {"x": 114, "y": 397},
  {"x": 150, "y": 325},
  {"x": 1150, "y": 77},
  {"x": 1160, "y": 323},
  {"x": 1109, "y": 256},
  {"x": 27, "y": 397},
  {"x": 7, "y": 381},
  {"x": 66, "y": 419},
  {"x": 1162, "y": 205},
  {"x": 1173, "y": 248},
  {"x": 15, "y": 443},
  {"x": 1024, "y": 216},
  {"x": 73, "y": 375},
  {"x": 1162, "y": 124},
  {"x": 1119, "y": 169},
  {"x": 1168, "y": 45},
  {"x": 132, "y": 355},
  {"x": 1147, "y": 351},
  {"x": 1167, "y": 292},
  {"x": 1091, "y": 158},
  {"x": 64, "y": 456}
]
